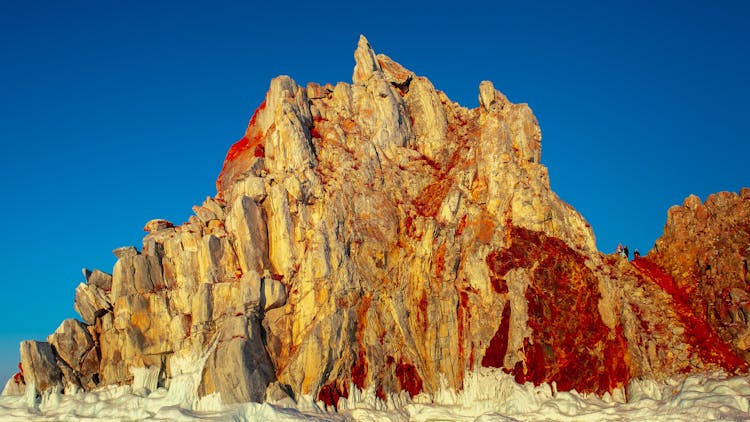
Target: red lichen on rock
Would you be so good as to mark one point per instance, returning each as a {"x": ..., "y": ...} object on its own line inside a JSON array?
[
  {"x": 620, "y": 368},
  {"x": 331, "y": 393},
  {"x": 18, "y": 377},
  {"x": 409, "y": 230},
  {"x": 498, "y": 283},
  {"x": 501, "y": 262},
  {"x": 463, "y": 316},
  {"x": 408, "y": 378},
  {"x": 188, "y": 322},
  {"x": 379, "y": 393},
  {"x": 240, "y": 154},
  {"x": 569, "y": 336},
  {"x": 429, "y": 200},
  {"x": 485, "y": 230},
  {"x": 533, "y": 368},
  {"x": 440, "y": 260},
  {"x": 664, "y": 280},
  {"x": 494, "y": 356},
  {"x": 360, "y": 367},
  {"x": 421, "y": 314},
  {"x": 461, "y": 226},
  {"x": 698, "y": 333},
  {"x": 364, "y": 306},
  {"x": 359, "y": 370}
]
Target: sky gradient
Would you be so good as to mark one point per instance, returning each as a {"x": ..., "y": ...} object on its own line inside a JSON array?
[{"x": 113, "y": 113}]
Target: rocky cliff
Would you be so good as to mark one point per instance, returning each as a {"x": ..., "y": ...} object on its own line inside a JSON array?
[{"x": 378, "y": 235}]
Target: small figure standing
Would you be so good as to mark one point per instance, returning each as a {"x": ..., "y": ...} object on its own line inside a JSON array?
[
  {"x": 636, "y": 254},
  {"x": 618, "y": 251},
  {"x": 625, "y": 251}
]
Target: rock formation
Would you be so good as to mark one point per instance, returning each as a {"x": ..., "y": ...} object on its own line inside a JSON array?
[
  {"x": 378, "y": 235},
  {"x": 706, "y": 249}
]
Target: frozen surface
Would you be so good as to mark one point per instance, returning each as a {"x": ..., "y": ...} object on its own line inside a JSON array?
[{"x": 489, "y": 395}]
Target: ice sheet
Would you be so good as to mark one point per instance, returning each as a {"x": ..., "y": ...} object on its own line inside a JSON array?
[{"x": 488, "y": 395}]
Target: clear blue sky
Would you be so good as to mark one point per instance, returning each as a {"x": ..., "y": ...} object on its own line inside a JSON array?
[{"x": 113, "y": 113}]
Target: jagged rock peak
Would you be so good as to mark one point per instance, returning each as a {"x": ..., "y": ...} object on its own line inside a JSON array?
[
  {"x": 489, "y": 98},
  {"x": 378, "y": 235},
  {"x": 366, "y": 62}
]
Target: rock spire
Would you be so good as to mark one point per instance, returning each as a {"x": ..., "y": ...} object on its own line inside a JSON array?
[{"x": 378, "y": 235}]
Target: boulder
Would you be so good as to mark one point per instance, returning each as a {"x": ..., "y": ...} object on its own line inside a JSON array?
[
  {"x": 136, "y": 274},
  {"x": 239, "y": 369},
  {"x": 273, "y": 295},
  {"x": 125, "y": 251},
  {"x": 75, "y": 347},
  {"x": 90, "y": 302},
  {"x": 157, "y": 224},
  {"x": 99, "y": 279},
  {"x": 39, "y": 365}
]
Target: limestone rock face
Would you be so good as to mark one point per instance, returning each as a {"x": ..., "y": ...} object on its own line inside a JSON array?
[{"x": 377, "y": 234}]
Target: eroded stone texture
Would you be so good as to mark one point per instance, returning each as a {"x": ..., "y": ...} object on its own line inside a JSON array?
[
  {"x": 706, "y": 250},
  {"x": 569, "y": 343},
  {"x": 379, "y": 235}
]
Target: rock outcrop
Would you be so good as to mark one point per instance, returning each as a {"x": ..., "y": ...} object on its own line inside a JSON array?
[
  {"x": 706, "y": 249},
  {"x": 378, "y": 235}
]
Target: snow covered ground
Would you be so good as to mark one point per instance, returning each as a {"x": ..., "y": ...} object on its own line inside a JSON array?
[{"x": 489, "y": 395}]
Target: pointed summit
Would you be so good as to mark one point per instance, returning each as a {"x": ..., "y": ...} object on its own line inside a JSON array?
[
  {"x": 366, "y": 62},
  {"x": 378, "y": 236},
  {"x": 490, "y": 98}
]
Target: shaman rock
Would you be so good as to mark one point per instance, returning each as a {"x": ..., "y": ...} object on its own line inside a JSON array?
[{"x": 379, "y": 235}]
